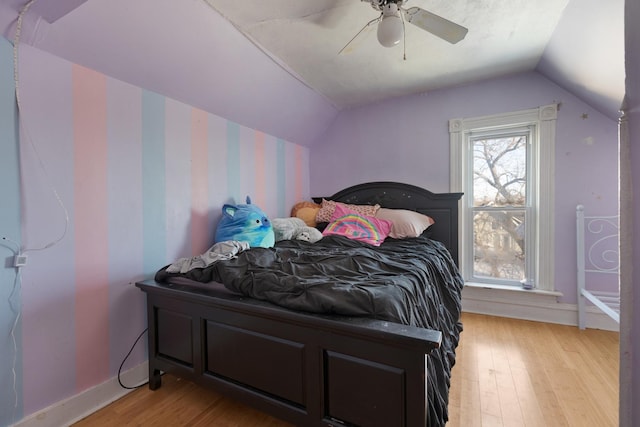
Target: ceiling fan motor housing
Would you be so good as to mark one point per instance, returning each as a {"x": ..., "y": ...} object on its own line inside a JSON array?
[
  {"x": 390, "y": 27},
  {"x": 380, "y": 4}
]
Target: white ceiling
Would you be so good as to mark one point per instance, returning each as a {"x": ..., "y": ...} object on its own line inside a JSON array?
[{"x": 305, "y": 37}]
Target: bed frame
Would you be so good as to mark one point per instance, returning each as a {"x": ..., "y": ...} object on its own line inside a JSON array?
[
  {"x": 597, "y": 254},
  {"x": 311, "y": 370}
]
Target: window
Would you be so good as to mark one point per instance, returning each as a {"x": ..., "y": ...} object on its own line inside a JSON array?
[
  {"x": 500, "y": 207},
  {"x": 504, "y": 166}
]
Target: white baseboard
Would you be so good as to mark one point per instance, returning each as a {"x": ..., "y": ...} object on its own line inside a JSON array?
[
  {"x": 530, "y": 306},
  {"x": 75, "y": 408}
]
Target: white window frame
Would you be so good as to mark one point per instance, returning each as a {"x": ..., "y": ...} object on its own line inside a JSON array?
[{"x": 543, "y": 165}]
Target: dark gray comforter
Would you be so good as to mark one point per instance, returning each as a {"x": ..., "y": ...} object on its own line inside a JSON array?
[{"x": 409, "y": 281}]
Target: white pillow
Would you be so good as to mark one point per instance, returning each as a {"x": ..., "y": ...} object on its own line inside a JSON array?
[{"x": 406, "y": 223}]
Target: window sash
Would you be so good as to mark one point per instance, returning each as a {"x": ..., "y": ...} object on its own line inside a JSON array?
[
  {"x": 470, "y": 270},
  {"x": 529, "y": 133}
]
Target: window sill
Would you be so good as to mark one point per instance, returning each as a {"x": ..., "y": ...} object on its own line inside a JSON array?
[
  {"x": 520, "y": 290},
  {"x": 517, "y": 303}
]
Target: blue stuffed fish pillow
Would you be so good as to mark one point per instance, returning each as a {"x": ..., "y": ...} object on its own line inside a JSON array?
[{"x": 246, "y": 223}]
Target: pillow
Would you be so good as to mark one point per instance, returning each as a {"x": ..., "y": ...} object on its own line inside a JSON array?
[
  {"x": 368, "y": 229},
  {"x": 306, "y": 211},
  {"x": 406, "y": 223},
  {"x": 328, "y": 206},
  {"x": 245, "y": 223},
  {"x": 294, "y": 228}
]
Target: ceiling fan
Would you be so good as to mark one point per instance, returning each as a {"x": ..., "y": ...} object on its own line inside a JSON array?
[{"x": 393, "y": 16}]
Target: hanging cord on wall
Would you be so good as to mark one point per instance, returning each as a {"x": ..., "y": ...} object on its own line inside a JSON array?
[
  {"x": 14, "y": 326},
  {"x": 23, "y": 128},
  {"x": 16, "y": 41},
  {"x": 16, "y": 311},
  {"x": 125, "y": 359}
]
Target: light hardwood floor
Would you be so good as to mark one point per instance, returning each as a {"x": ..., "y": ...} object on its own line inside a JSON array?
[
  {"x": 520, "y": 373},
  {"x": 508, "y": 373}
]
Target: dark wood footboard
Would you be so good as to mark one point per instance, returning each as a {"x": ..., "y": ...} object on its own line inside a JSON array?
[{"x": 310, "y": 370}]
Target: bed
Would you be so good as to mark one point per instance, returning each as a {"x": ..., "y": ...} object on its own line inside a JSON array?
[
  {"x": 370, "y": 363},
  {"x": 598, "y": 260}
]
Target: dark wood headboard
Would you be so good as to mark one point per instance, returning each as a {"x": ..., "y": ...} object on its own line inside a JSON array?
[{"x": 442, "y": 207}]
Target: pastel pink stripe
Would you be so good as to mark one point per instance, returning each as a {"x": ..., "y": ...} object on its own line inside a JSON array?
[
  {"x": 90, "y": 227},
  {"x": 260, "y": 174},
  {"x": 201, "y": 235}
]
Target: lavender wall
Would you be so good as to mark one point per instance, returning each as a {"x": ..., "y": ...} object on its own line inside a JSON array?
[
  {"x": 407, "y": 140},
  {"x": 142, "y": 178},
  {"x": 182, "y": 49}
]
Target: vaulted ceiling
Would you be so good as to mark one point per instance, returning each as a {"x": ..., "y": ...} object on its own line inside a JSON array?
[
  {"x": 503, "y": 38},
  {"x": 219, "y": 54}
]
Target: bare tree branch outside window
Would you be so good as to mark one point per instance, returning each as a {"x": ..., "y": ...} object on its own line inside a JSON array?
[{"x": 499, "y": 202}]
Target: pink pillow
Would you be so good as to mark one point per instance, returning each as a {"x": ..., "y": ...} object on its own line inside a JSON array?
[
  {"x": 368, "y": 229},
  {"x": 328, "y": 206},
  {"x": 406, "y": 223}
]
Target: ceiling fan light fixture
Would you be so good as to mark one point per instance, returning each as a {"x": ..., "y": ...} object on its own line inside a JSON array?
[{"x": 390, "y": 28}]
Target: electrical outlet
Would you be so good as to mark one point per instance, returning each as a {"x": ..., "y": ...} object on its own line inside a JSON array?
[{"x": 20, "y": 261}]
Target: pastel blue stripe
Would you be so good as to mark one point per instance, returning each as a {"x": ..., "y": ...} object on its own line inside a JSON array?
[
  {"x": 233, "y": 162},
  {"x": 10, "y": 226},
  {"x": 177, "y": 148},
  {"x": 281, "y": 160},
  {"x": 154, "y": 228}
]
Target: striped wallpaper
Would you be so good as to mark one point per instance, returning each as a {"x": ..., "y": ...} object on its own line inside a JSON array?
[{"x": 142, "y": 178}]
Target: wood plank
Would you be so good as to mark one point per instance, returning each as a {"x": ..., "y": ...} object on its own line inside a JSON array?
[
  {"x": 178, "y": 403},
  {"x": 509, "y": 403},
  {"x": 465, "y": 384}
]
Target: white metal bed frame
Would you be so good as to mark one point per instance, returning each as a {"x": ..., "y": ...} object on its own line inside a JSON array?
[{"x": 593, "y": 259}]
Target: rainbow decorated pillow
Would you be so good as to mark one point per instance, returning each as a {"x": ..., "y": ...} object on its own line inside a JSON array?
[{"x": 345, "y": 222}]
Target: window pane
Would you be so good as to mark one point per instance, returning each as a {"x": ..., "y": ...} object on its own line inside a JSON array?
[
  {"x": 499, "y": 171},
  {"x": 499, "y": 245}
]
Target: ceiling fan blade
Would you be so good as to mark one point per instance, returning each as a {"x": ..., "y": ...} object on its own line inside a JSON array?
[{"x": 436, "y": 25}]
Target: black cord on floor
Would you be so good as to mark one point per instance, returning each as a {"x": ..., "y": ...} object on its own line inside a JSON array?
[{"x": 125, "y": 359}]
